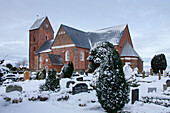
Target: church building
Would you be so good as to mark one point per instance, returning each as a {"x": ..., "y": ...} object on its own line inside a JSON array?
[{"x": 70, "y": 44}]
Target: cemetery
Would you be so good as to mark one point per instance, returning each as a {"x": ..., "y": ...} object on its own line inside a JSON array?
[{"x": 82, "y": 92}]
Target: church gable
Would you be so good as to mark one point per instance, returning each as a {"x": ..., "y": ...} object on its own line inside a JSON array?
[
  {"x": 125, "y": 37},
  {"x": 62, "y": 38}
]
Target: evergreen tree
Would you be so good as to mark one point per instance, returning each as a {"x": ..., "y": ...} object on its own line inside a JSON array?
[
  {"x": 9, "y": 66},
  {"x": 68, "y": 70},
  {"x": 111, "y": 86},
  {"x": 51, "y": 83},
  {"x": 158, "y": 62}
]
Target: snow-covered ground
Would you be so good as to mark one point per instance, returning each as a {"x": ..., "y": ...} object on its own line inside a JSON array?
[{"x": 85, "y": 102}]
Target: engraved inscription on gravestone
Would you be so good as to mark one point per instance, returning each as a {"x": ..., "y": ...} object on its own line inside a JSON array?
[{"x": 78, "y": 88}]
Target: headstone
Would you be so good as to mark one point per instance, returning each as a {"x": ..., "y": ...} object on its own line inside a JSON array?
[
  {"x": 79, "y": 79},
  {"x": 151, "y": 71},
  {"x": 14, "y": 87},
  {"x": 164, "y": 73},
  {"x": 159, "y": 74},
  {"x": 164, "y": 87},
  {"x": 135, "y": 95},
  {"x": 68, "y": 83},
  {"x": 152, "y": 89},
  {"x": 168, "y": 83},
  {"x": 41, "y": 76},
  {"x": 26, "y": 75},
  {"x": 143, "y": 74},
  {"x": 75, "y": 74},
  {"x": 78, "y": 88},
  {"x": 86, "y": 73},
  {"x": 81, "y": 72}
]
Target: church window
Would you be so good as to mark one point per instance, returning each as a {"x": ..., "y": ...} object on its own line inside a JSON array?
[
  {"x": 46, "y": 37},
  {"x": 34, "y": 39},
  {"x": 67, "y": 56},
  {"x": 34, "y": 49},
  {"x": 81, "y": 56},
  {"x": 46, "y": 25},
  {"x": 46, "y": 60}
]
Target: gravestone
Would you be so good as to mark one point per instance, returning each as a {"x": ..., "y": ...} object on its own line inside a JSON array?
[
  {"x": 78, "y": 88},
  {"x": 152, "y": 89},
  {"x": 41, "y": 76},
  {"x": 12, "y": 87},
  {"x": 79, "y": 79},
  {"x": 143, "y": 74},
  {"x": 68, "y": 83},
  {"x": 81, "y": 72},
  {"x": 164, "y": 73},
  {"x": 168, "y": 83},
  {"x": 135, "y": 95},
  {"x": 26, "y": 75},
  {"x": 151, "y": 71},
  {"x": 164, "y": 87},
  {"x": 159, "y": 74}
]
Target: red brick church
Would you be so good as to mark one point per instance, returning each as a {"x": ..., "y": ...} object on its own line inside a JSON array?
[{"x": 74, "y": 45}]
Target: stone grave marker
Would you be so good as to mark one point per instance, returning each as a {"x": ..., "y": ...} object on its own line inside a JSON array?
[
  {"x": 80, "y": 87},
  {"x": 13, "y": 87},
  {"x": 164, "y": 73},
  {"x": 81, "y": 72},
  {"x": 79, "y": 79},
  {"x": 26, "y": 75},
  {"x": 152, "y": 89},
  {"x": 143, "y": 74},
  {"x": 151, "y": 71},
  {"x": 135, "y": 95},
  {"x": 68, "y": 83},
  {"x": 164, "y": 87},
  {"x": 168, "y": 83}
]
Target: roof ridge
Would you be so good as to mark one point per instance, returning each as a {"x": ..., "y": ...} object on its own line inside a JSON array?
[
  {"x": 107, "y": 28},
  {"x": 73, "y": 28}
]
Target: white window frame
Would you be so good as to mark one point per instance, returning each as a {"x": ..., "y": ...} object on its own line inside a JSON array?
[
  {"x": 81, "y": 56},
  {"x": 40, "y": 62},
  {"x": 67, "y": 56}
]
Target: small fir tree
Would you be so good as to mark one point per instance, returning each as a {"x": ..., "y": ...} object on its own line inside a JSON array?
[
  {"x": 158, "y": 63},
  {"x": 51, "y": 83},
  {"x": 111, "y": 86}
]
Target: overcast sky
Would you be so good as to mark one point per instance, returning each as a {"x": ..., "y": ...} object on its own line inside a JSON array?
[{"x": 148, "y": 21}]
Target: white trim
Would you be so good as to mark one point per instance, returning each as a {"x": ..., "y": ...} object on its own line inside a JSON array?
[
  {"x": 81, "y": 56},
  {"x": 67, "y": 56},
  {"x": 45, "y": 51},
  {"x": 63, "y": 46}
]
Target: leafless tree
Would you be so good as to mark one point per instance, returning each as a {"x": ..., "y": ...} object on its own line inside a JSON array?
[
  {"x": 24, "y": 62},
  {"x": 18, "y": 64}
]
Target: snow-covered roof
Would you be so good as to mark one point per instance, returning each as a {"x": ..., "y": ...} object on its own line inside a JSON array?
[
  {"x": 79, "y": 38},
  {"x": 37, "y": 23},
  {"x": 88, "y": 39},
  {"x": 129, "y": 51},
  {"x": 55, "y": 59},
  {"x": 111, "y": 34},
  {"x": 46, "y": 47}
]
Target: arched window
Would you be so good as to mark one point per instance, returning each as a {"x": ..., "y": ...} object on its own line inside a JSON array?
[
  {"x": 46, "y": 37},
  {"x": 67, "y": 56},
  {"x": 34, "y": 49},
  {"x": 81, "y": 56}
]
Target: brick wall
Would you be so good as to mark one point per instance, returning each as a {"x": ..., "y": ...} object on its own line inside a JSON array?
[{"x": 37, "y": 37}]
